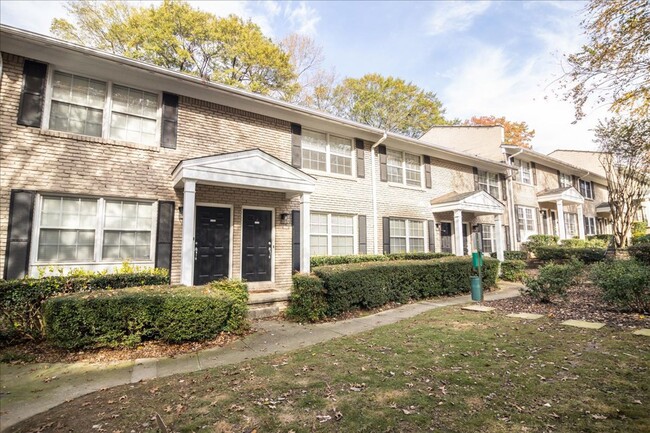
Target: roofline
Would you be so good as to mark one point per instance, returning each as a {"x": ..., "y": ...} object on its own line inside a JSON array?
[
  {"x": 552, "y": 160},
  {"x": 40, "y": 39}
]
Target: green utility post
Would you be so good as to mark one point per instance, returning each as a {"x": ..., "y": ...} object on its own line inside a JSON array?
[{"x": 477, "y": 264}]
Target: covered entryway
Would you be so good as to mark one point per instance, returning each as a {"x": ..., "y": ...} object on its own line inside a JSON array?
[
  {"x": 230, "y": 197},
  {"x": 560, "y": 198},
  {"x": 477, "y": 203}
]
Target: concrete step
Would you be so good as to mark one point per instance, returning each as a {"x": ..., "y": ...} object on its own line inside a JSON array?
[
  {"x": 263, "y": 312},
  {"x": 267, "y": 303}
]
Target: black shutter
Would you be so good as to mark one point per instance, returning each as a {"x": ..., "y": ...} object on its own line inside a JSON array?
[
  {"x": 427, "y": 171},
  {"x": 32, "y": 95},
  {"x": 296, "y": 145},
  {"x": 295, "y": 240},
  {"x": 479, "y": 231},
  {"x": 574, "y": 180},
  {"x": 504, "y": 191},
  {"x": 169, "y": 121},
  {"x": 559, "y": 179},
  {"x": 165, "y": 234},
  {"x": 533, "y": 169},
  {"x": 506, "y": 229},
  {"x": 476, "y": 185},
  {"x": 19, "y": 234},
  {"x": 361, "y": 162},
  {"x": 386, "y": 234},
  {"x": 383, "y": 163},
  {"x": 593, "y": 193},
  {"x": 539, "y": 221},
  {"x": 517, "y": 232},
  {"x": 363, "y": 235},
  {"x": 431, "y": 226}
]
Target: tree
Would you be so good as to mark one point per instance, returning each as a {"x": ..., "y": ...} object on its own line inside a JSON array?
[
  {"x": 176, "y": 36},
  {"x": 625, "y": 156},
  {"x": 614, "y": 66},
  {"x": 515, "y": 133},
  {"x": 388, "y": 103}
]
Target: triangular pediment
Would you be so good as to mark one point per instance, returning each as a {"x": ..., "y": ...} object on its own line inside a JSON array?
[
  {"x": 478, "y": 202},
  {"x": 567, "y": 194},
  {"x": 253, "y": 169}
]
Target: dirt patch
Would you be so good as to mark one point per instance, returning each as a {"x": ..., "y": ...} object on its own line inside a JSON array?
[{"x": 583, "y": 302}]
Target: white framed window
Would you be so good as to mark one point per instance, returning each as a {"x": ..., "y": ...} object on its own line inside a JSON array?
[
  {"x": 570, "y": 224},
  {"x": 488, "y": 239},
  {"x": 586, "y": 188},
  {"x": 332, "y": 234},
  {"x": 565, "y": 180},
  {"x": 525, "y": 173},
  {"x": 406, "y": 236},
  {"x": 404, "y": 168},
  {"x": 590, "y": 226},
  {"x": 526, "y": 222},
  {"x": 489, "y": 182},
  {"x": 86, "y": 106},
  {"x": 93, "y": 230},
  {"x": 326, "y": 152}
]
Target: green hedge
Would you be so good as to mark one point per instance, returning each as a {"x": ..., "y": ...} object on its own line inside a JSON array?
[
  {"x": 307, "y": 302},
  {"x": 512, "y": 255},
  {"x": 536, "y": 241},
  {"x": 110, "y": 318},
  {"x": 513, "y": 270},
  {"x": 584, "y": 243},
  {"x": 645, "y": 239},
  {"x": 21, "y": 300},
  {"x": 317, "y": 261},
  {"x": 625, "y": 284},
  {"x": 370, "y": 285},
  {"x": 641, "y": 252},
  {"x": 585, "y": 255}
]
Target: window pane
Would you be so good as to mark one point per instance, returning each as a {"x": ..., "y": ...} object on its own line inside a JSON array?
[
  {"x": 342, "y": 225},
  {"x": 314, "y": 140},
  {"x": 416, "y": 229},
  {"x": 341, "y": 164},
  {"x": 342, "y": 245},
  {"x": 318, "y": 223},
  {"x": 397, "y": 228},
  {"x": 340, "y": 146},
  {"x": 416, "y": 245},
  {"x": 318, "y": 245},
  {"x": 397, "y": 245}
]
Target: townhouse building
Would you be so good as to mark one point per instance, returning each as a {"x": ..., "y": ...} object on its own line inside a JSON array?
[
  {"x": 551, "y": 194},
  {"x": 105, "y": 159}
]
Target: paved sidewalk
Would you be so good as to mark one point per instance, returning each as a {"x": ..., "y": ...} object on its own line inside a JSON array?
[{"x": 34, "y": 388}]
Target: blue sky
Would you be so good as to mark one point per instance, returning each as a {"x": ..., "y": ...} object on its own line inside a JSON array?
[{"x": 479, "y": 57}]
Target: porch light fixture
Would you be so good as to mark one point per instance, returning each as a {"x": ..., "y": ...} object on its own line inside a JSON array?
[{"x": 285, "y": 218}]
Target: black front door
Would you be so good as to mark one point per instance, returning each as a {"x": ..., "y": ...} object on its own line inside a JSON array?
[
  {"x": 465, "y": 235},
  {"x": 445, "y": 236},
  {"x": 212, "y": 244},
  {"x": 256, "y": 245}
]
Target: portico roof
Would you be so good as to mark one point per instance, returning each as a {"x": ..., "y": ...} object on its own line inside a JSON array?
[
  {"x": 566, "y": 194},
  {"x": 603, "y": 208},
  {"x": 477, "y": 202},
  {"x": 254, "y": 169}
]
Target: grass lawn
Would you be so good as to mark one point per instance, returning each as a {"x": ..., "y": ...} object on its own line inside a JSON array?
[{"x": 443, "y": 371}]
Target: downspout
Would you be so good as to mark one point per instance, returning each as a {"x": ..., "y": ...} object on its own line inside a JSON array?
[
  {"x": 375, "y": 231},
  {"x": 511, "y": 192}
]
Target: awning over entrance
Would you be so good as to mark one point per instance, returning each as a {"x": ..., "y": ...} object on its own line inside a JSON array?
[
  {"x": 603, "y": 208},
  {"x": 567, "y": 194},
  {"x": 253, "y": 169},
  {"x": 250, "y": 169},
  {"x": 477, "y": 203}
]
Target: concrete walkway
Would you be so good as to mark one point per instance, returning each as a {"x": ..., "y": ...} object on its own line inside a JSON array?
[{"x": 34, "y": 388}]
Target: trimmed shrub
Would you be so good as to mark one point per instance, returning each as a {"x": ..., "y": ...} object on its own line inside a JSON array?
[
  {"x": 110, "y": 318},
  {"x": 237, "y": 318},
  {"x": 512, "y": 255},
  {"x": 625, "y": 284},
  {"x": 513, "y": 270},
  {"x": 316, "y": 261},
  {"x": 307, "y": 301},
  {"x": 639, "y": 229},
  {"x": 536, "y": 241},
  {"x": 553, "y": 280},
  {"x": 640, "y": 252},
  {"x": 21, "y": 300},
  {"x": 585, "y": 255},
  {"x": 645, "y": 239},
  {"x": 584, "y": 243},
  {"x": 371, "y": 285}
]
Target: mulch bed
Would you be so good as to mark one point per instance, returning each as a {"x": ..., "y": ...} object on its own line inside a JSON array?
[{"x": 582, "y": 303}]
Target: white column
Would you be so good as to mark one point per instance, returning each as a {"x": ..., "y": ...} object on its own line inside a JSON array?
[
  {"x": 581, "y": 222},
  {"x": 458, "y": 232},
  {"x": 305, "y": 226},
  {"x": 498, "y": 236},
  {"x": 187, "y": 252},
  {"x": 560, "y": 219}
]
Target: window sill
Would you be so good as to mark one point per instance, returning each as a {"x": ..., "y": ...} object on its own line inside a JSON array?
[
  {"x": 403, "y": 186},
  {"x": 317, "y": 174},
  {"x": 524, "y": 183},
  {"x": 99, "y": 140}
]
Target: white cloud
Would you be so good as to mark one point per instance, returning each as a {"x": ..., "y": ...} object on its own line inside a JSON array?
[
  {"x": 454, "y": 16},
  {"x": 303, "y": 19}
]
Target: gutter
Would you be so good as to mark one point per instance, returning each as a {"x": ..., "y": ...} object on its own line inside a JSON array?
[{"x": 375, "y": 231}]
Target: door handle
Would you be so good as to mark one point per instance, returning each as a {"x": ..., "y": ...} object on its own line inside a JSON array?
[
  {"x": 196, "y": 252},
  {"x": 269, "y": 252}
]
